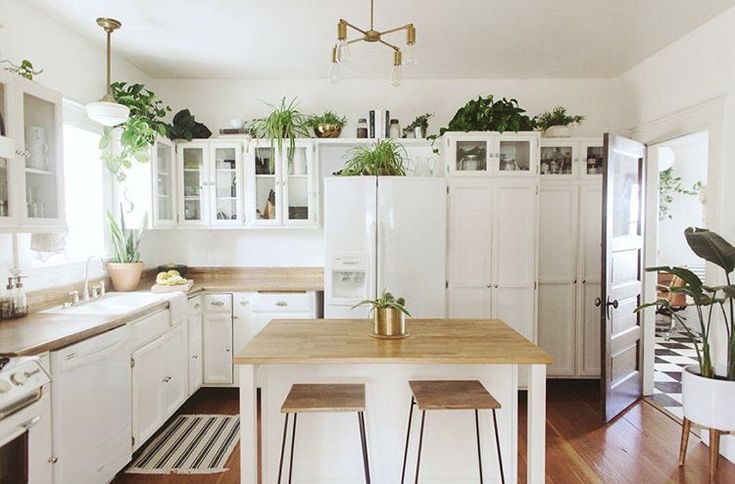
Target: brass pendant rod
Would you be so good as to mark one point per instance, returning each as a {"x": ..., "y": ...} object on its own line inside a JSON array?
[
  {"x": 389, "y": 45},
  {"x": 372, "y": 14},
  {"x": 109, "y": 57},
  {"x": 396, "y": 29},
  {"x": 363, "y": 32}
]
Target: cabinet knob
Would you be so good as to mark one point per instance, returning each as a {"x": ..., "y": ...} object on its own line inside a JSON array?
[
  {"x": 217, "y": 303},
  {"x": 584, "y": 281},
  {"x": 227, "y": 350},
  {"x": 194, "y": 357},
  {"x": 53, "y": 460},
  {"x": 574, "y": 281},
  {"x": 196, "y": 306},
  {"x": 244, "y": 303},
  {"x": 282, "y": 304},
  {"x": 496, "y": 286}
]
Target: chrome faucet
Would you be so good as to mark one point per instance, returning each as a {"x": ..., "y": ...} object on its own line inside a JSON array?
[{"x": 86, "y": 295}]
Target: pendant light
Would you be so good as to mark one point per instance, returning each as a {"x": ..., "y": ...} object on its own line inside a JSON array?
[{"x": 107, "y": 111}]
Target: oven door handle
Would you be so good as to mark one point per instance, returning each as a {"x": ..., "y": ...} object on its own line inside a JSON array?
[{"x": 30, "y": 422}]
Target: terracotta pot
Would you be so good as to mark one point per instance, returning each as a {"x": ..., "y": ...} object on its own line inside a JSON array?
[
  {"x": 125, "y": 276},
  {"x": 389, "y": 322},
  {"x": 558, "y": 132},
  {"x": 708, "y": 401}
]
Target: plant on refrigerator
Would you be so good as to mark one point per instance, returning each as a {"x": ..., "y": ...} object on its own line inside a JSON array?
[{"x": 382, "y": 158}]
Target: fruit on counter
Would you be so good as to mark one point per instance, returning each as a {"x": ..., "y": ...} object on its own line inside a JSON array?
[{"x": 170, "y": 278}]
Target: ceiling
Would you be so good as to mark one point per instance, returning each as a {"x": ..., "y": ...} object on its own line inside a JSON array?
[{"x": 292, "y": 39}]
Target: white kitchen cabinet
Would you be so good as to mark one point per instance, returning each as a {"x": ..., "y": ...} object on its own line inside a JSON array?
[
  {"x": 217, "y": 339},
  {"x": 151, "y": 188},
  {"x": 242, "y": 325},
  {"x": 492, "y": 251},
  {"x": 192, "y": 162},
  {"x": 569, "y": 275},
  {"x": 195, "y": 344},
  {"x": 159, "y": 382},
  {"x": 491, "y": 154},
  {"x": 225, "y": 185},
  {"x": 281, "y": 192},
  {"x": 571, "y": 158}
]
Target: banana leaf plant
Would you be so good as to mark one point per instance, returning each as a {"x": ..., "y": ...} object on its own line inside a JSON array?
[
  {"x": 385, "y": 301},
  {"x": 712, "y": 303}
]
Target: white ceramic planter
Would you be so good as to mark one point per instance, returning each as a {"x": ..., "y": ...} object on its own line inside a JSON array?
[
  {"x": 557, "y": 132},
  {"x": 708, "y": 402}
]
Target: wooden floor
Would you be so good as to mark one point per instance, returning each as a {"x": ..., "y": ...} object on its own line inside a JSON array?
[{"x": 641, "y": 446}]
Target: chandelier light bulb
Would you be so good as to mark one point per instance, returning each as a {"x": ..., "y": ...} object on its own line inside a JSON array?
[
  {"x": 396, "y": 76},
  {"x": 335, "y": 73},
  {"x": 344, "y": 53},
  {"x": 409, "y": 58}
]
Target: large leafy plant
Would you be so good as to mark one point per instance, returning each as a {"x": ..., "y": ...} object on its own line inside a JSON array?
[
  {"x": 329, "y": 117},
  {"x": 670, "y": 185},
  {"x": 557, "y": 117},
  {"x": 285, "y": 122},
  {"x": 138, "y": 133},
  {"x": 487, "y": 114},
  {"x": 185, "y": 126},
  {"x": 382, "y": 158},
  {"x": 125, "y": 242},
  {"x": 385, "y": 301},
  {"x": 711, "y": 302}
]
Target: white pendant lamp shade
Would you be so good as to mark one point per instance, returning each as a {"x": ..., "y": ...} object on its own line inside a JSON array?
[{"x": 106, "y": 111}]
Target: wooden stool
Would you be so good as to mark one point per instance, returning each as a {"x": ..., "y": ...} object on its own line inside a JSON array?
[
  {"x": 451, "y": 395},
  {"x": 324, "y": 398}
]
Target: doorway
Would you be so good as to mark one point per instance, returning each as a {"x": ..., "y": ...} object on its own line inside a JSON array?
[{"x": 682, "y": 165}]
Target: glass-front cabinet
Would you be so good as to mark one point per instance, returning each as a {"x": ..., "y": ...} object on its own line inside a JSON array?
[
  {"x": 164, "y": 183},
  {"x": 282, "y": 188},
  {"x": 225, "y": 185},
  {"x": 192, "y": 161},
  {"x": 491, "y": 154},
  {"x": 567, "y": 158},
  {"x": 8, "y": 157}
]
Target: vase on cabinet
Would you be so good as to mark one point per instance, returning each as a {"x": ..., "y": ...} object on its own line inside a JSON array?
[
  {"x": 125, "y": 276},
  {"x": 557, "y": 132}
]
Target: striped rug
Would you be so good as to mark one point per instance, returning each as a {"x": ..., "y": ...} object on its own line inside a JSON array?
[{"x": 190, "y": 444}]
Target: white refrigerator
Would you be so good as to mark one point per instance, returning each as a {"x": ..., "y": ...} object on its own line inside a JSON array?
[{"x": 385, "y": 233}]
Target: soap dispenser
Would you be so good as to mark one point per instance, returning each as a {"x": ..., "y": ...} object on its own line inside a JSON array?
[
  {"x": 6, "y": 301},
  {"x": 20, "y": 300}
]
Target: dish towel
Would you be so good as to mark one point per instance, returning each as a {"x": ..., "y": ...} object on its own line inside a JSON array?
[{"x": 178, "y": 306}]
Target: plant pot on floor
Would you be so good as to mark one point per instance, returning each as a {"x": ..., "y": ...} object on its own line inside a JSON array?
[
  {"x": 708, "y": 401},
  {"x": 125, "y": 276},
  {"x": 557, "y": 132},
  {"x": 389, "y": 322}
]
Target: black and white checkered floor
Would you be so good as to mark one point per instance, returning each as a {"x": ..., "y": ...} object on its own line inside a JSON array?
[{"x": 672, "y": 357}]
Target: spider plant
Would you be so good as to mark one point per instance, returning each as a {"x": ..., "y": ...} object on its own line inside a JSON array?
[
  {"x": 383, "y": 158},
  {"x": 385, "y": 301},
  {"x": 125, "y": 242},
  {"x": 284, "y": 122}
]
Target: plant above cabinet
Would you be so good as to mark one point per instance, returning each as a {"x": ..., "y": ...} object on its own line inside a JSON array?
[
  {"x": 327, "y": 125},
  {"x": 138, "y": 133},
  {"x": 186, "y": 127},
  {"x": 382, "y": 158},
  {"x": 487, "y": 114},
  {"x": 284, "y": 122},
  {"x": 558, "y": 117},
  {"x": 24, "y": 69}
]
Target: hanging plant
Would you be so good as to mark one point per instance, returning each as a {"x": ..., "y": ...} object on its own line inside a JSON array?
[
  {"x": 138, "y": 133},
  {"x": 668, "y": 186},
  {"x": 25, "y": 69}
]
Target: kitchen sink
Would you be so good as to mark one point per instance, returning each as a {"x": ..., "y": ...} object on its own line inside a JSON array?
[{"x": 110, "y": 304}]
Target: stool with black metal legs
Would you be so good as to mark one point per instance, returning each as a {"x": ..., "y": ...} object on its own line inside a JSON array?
[
  {"x": 451, "y": 395},
  {"x": 311, "y": 398}
]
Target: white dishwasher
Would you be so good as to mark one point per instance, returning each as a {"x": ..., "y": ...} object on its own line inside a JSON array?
[{"x": 90, "y": 408}]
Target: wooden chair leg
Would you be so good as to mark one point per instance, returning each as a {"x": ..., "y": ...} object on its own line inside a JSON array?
[
  {"x": 685, "y": 430},
  {"x": 714, "y": 452}
]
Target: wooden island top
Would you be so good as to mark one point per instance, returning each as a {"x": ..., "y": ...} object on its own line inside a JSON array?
[{"x": 432, "y": 341}]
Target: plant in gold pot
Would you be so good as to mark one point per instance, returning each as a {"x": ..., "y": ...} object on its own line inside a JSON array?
[
  {"x": 126, "y": 266},
  {"x": 327, "y": 125},
  {"x": 388, "y": 314}
]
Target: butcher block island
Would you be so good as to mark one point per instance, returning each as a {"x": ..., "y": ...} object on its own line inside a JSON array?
[{"x": 327, "y": 445}]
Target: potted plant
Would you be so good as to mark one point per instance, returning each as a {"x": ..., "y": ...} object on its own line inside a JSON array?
[
  {"x": 138, "y": 133},
  {"x": 284, "y": 122},
  {"x": 418, "y": 126},
  {"x": 389, "y": 314},
  {"x": 126, "y": 266},
  {"x": 487, "y": 114},
  {"x": 186, "y": 127},
  {"x": 555, "y": 123},
  {"x": 708, "y": 391},
  {"x": 327, "y": 125},
  {"x": 382, "y": 158}
]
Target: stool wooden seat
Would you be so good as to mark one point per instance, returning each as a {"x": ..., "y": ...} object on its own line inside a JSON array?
[
  {"x": 328, "y": 398},
  {"x": 451, "y": 395},
  {"x": 325, "y": 398}
]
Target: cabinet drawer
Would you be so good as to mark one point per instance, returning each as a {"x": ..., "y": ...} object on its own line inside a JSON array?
[
  {"x": 149, "y": 328},
  {"x": 217, "y": 303},
  {"x": 195, "y": 306},
  {"x": 284, "y": 302}
]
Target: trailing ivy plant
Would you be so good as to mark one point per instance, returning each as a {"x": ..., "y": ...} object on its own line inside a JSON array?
[
  {"x": 668, "y": 186},
  {"x": 138, "y": 133},
  {"x": 421, "y": 121},
  {"x": 25, "y": 69},
  {"x": 558, "y": 117}
]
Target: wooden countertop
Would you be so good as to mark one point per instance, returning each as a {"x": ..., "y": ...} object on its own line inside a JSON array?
[
  {"x": 40, "y": 332},
  {"x": 432, "y": 341}
]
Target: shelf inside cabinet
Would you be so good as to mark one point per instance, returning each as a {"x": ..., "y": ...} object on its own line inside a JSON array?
[{"x": 36, "y": 171}]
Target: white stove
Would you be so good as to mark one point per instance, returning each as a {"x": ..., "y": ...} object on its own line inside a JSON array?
[{"x": 25, "y": 414}]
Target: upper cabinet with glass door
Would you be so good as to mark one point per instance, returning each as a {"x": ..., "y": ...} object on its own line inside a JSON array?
[
  {"x": 163, "y": 165},
  {"x": 193, "y": 180},
  {"x": 281, "y": 191},
  {"x": 225, "y": 185},
  {"x": 491, "y": 153},
  {"x": 570, "y": 158},
  {"x": 9, "y": 210}
]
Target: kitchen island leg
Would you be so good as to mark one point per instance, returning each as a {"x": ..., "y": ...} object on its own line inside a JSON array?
[
  {"x": 248, "y": 426},
  {"x": 536, "y": 452}
]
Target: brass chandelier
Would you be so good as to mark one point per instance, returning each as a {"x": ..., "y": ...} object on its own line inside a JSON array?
[{"x": 341, "y": 53}]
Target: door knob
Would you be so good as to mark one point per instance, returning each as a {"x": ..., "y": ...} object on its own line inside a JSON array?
[
  {"x": 598, "y": 301},
  {"x": 614, "y": 304}
]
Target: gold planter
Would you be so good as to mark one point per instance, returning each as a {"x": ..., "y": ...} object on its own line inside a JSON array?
[
  {"x": 328, "y": 131},
  {"x": 389, "y": 323}
]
